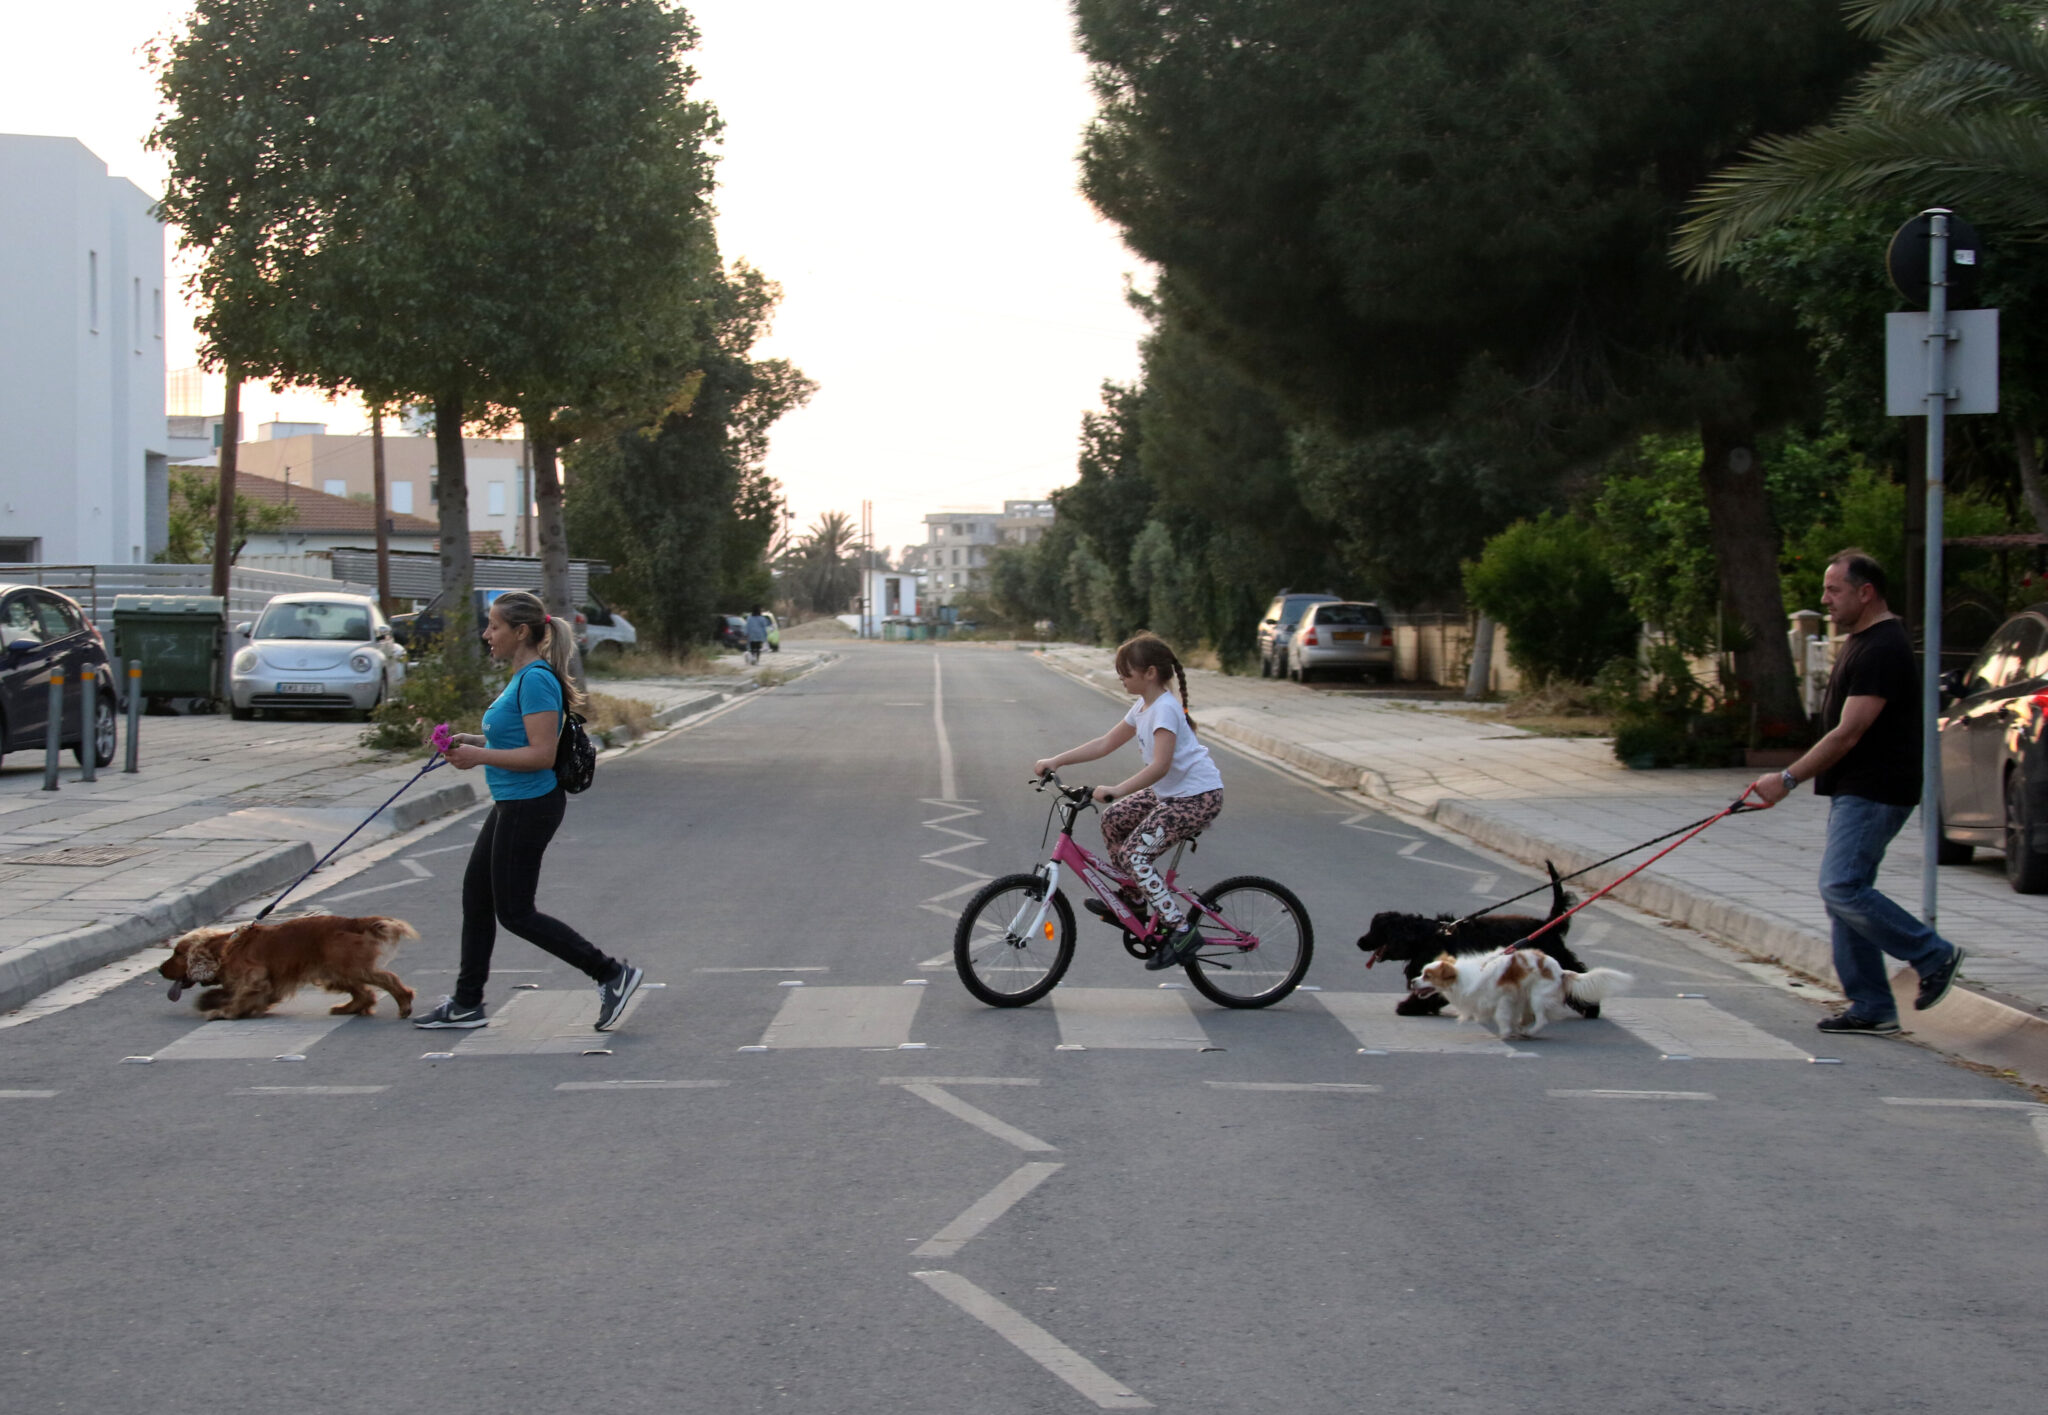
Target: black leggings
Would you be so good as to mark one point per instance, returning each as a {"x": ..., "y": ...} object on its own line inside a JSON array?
[{"x": 498, "y": 888}]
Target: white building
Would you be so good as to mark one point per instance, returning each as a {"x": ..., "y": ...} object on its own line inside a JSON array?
[
  {"x": 958, "y": 544},
  {"x": 83, "y": 464}
]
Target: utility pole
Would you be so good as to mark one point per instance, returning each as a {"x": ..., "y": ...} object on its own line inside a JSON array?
[{"x": 224, "y": 484}]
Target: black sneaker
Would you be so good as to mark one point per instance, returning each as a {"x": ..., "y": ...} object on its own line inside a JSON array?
[
  {"x": 450, "y": 1015},
  {"x": 1849, "y": 1022},
  {"x": 1175, "y": 950},
  {"x": 1933, "y": 989},
  {"x": 613, "y": 996}
]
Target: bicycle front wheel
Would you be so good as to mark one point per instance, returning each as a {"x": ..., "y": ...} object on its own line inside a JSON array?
[
  {"x": 1230, "y": 974},
  {"x": 1013, "y": 945}
]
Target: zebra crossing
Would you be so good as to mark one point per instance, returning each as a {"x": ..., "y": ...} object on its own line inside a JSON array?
[{"x": 809, "y": 1016}]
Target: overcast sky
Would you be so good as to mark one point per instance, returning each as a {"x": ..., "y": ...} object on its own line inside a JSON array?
[{"x": 904, "y": 168}]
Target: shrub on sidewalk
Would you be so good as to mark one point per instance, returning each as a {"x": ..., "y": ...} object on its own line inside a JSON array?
[
  {"x": 436, "y": 690},
  {"x": 1546, "y": 581},
  {"x": 1664, "y": 716}
]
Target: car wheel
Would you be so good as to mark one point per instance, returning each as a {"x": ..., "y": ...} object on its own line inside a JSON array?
[
  {"x": 1950, "y": 852},
  {"x": 102, "y": 743},
  {"x": 2026, "y": 869},
  {"x": 241, "y": 714}
]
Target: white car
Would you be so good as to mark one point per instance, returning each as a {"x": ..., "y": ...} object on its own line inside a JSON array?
[
  {"x": 607, "y": 630},
  {"x": 329, "y": 651}
]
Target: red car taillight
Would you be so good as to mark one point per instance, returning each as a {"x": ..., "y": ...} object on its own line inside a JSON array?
[
  {"x": 1308, "y": 639},
  {"x": 1386, "y": 638}
]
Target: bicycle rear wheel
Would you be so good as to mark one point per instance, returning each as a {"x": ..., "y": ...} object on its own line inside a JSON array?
[
  {"x": 1005, "y": 952},
  {"x": 1233, "y": 976}
]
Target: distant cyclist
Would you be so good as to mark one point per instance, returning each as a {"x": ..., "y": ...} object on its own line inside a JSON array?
[
  {"x": 1177, "y": 795},
  {"x": 757, "y": 634}
]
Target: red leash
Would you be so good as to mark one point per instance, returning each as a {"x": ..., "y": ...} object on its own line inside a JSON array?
[{"x": 1740, "y": 805}]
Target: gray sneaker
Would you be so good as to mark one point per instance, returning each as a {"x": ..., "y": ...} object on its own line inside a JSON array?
[
  {"x": 450, "y": 1015},
  {"x": 613, "y": 996}
]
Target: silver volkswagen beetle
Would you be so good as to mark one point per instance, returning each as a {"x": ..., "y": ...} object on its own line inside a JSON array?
[{"x": 328, "y": 651}]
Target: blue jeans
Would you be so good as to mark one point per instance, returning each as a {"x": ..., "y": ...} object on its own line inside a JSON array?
[{"x": 1867, "y": 924}]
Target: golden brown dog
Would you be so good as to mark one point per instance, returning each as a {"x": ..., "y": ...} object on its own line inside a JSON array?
[{"x": 249, "y": 969}]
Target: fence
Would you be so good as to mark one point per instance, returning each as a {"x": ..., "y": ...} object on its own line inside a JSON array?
[
  {"x": 95, "y": 587},
  {"x": 1437, "y": 649}
]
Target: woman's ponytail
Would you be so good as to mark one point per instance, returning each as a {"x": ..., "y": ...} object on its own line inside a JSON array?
[{"x": 559, "y": 649}]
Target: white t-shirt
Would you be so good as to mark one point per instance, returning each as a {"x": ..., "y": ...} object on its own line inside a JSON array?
[{"x": 1192, "y": 770}]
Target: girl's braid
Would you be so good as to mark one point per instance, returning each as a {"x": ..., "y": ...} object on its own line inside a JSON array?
[{"x": 1180, "y": 676}]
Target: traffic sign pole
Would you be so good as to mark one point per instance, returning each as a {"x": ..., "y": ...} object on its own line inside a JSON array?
[{"x": 1930, "y": 676}]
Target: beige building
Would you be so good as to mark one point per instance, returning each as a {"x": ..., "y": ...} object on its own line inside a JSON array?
[
  {"x": 306, "y": 456},
  {"x": 958, "y": 543}
]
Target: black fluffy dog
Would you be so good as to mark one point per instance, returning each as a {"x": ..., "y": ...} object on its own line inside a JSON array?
[{"x": 1417, "y": 940}]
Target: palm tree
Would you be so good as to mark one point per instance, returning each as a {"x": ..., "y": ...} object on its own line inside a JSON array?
[
  {"x": 1954, "y": 112},
  {"x": 819, "y": 570}
]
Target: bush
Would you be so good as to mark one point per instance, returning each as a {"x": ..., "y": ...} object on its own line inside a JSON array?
[
  {"x": 436, "y": 690},
  {"x": 1546, "y": 582},
  {"x": 1664, "y": 716}
]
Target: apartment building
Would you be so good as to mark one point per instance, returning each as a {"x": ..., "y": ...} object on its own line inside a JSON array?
[{"x": 958, "y": 544}]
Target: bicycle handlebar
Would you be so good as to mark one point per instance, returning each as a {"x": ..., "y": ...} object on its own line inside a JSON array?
[{"x": 1079, "y": 795}]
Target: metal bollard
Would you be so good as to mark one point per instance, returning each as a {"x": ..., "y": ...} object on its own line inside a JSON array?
[
  {"x": 88, "y": 726},
  {"x": 53, "y": 730},
  {"x": 134, "y": 714}
]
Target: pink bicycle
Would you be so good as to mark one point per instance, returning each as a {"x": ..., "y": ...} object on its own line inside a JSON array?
[{"x": 1015, "y": 940}]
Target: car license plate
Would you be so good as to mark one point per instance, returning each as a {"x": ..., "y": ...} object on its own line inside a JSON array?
[
  {"x": 1349, "y": 636},
  {"x": 302, "y": 687}
]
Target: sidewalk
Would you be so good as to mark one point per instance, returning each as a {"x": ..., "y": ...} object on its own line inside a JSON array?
[
  {"x": 1750, "y": 880},
  {"x": 221, "y": 812}
]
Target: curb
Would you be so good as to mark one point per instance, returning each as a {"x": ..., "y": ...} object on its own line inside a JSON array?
[
  {"x": 1972, "y": 1025},
  {"x": 35, "y": 968}
]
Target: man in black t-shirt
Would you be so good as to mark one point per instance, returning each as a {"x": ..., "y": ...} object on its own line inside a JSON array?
[{"x": 1869, "y": 763}]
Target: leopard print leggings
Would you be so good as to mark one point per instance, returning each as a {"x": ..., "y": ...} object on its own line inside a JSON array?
[{"x": 1143, "y": 826}]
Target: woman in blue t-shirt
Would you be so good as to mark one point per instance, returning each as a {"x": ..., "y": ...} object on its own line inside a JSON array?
[{"x": 517, "y": 753}]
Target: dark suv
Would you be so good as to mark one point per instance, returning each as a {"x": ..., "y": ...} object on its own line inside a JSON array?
[
  {"x": 1278, "y": 626},
  {"x": 1994, "y": 753},
  {"x": 43, "y": 632}
]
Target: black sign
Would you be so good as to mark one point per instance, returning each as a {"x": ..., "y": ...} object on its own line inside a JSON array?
[{"x": 1906, "y": 260}]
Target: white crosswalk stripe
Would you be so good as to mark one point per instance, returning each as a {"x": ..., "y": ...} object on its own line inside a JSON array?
[
  {"x": 1697, "y": 1029},
  {"x": 1369, "y": 1016},
  {"x": 540, "y": 1023},
  {"x": 291, "y": 1027},
  {"x": 1127, "y": 1019},
  {"x": 843, "y": 1017}
]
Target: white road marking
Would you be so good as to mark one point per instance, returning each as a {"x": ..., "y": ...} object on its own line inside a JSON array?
[
  {"x": 986, "y": 1210},
  {"x": 419, "y": 870},
  {"x": 1698, "y": 1030},
  {"x": 1634, "y": 1095},
  {"x": 844, "y": 1017},
  {"x": 86, "y": 987},
  {"x": 439, "y": 850},
  {"x": 1337, "y": 1087},
  {"x": 370, "y": 889},
  {"x": 1369, "y": 1016},
  {"x": 294, "y": 1025},
  {"x": 26, "y": 1095},
  {"x": 1483, "y": 884},
  {"x": 1061, "y": 1360},
  {"x": 948, "y": 786},
  {"x": 959, "y": 1080},
  {"x": 753, "y": 970},
  {"x": 639, "y": 1085},
  {"x": 1709, "y": 975},
  {"x": 978, "y": 1118},
  {"x": 2034, "y": 1106},
  {"x": 1354, "y": 821},
  {"x": 2040, "y": 1124},
  {"x": 939, "y": 960},
  {"x": 542, "y": 1023},
  {"x": 1129, "y": 1019},
  {"x": 308, "y": 1090}
]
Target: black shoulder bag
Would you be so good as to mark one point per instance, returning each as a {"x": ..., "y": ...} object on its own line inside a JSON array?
[{"x": 575, "y": 754}]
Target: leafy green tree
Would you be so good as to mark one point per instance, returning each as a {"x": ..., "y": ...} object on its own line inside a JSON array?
[
  {"x": 485, "y": 204},
  {"x": 194, "y": 512},
  {"x": 821, "y": 572},
  {"x": 1547, "y": 582},
  {"x": 1442, "y": 217}
]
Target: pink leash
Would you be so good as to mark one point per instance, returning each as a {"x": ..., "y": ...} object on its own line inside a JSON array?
[{"x": 1741, "y": 804}]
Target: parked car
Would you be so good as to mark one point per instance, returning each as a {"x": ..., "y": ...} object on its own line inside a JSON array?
[
  {"x": 729, "y": 631},
  {"x": 1994, "y": 753},
  {"x": 417, "y": 631},
  {"x": 1278, "y": 624},
  {"x": 317, "y": 650},
  {"x": 43, "y": 632},
  {"x": 607, "y": 631},
  {"x": 1345, "y": 637},
  {"x": 774, "y": 633}
]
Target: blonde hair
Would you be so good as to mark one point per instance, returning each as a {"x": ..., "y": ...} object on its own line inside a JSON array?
[
  {"x": 1148, "y": 650},
  {"x": 551, "y": 635}
]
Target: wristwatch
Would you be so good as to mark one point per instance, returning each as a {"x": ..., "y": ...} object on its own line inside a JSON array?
[{"x": 1791, "y": 781}]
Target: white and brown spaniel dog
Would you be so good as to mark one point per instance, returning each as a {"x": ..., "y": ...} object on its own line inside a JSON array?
[{"x": 1517, "y": 990}]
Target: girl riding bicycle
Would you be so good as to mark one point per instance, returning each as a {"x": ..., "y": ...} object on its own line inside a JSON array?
[{"x": 1177, "y": 795}]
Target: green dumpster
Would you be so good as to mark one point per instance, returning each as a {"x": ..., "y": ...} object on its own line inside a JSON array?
[{"x": 178, "y": 640}]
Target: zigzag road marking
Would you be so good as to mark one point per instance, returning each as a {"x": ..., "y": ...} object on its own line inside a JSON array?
[
  {"x": 1482, "y": 885},
  {"x": 938, "y": 903}
]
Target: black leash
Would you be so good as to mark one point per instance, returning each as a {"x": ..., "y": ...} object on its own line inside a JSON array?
[
  {"x": 436, "y": 760},
  {"x": 1737, "y": 809}
]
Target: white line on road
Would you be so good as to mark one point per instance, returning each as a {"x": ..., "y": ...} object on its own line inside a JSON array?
[
  {"x": 1710, "y": 975},
  {"x": 439, "y": 850},
  {"x": 419, "y": 870},
  {"x": 948, "y": 786},
  {"x": 91, "y": 985},
  {"x": 2040, "y": 1124},
  {"x": 959, "y": 1080},
  {"x": 639, "y": 1085},
  {"x": 978, "y": 1118},
  {"x": 308, "y": 1090},
  {"x": 1634, "y": 1095},
  {"x": 2034, "y": 1106},
  {"x": 986, "y": 1210},
  {"x": 1089, "y": 1379},
  {"x": 26, "y": 1095},
  {"x": 751, "y": 970},
  {"x": 372, "y": 889},
  {"x": 1335, "y": 1086}
]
